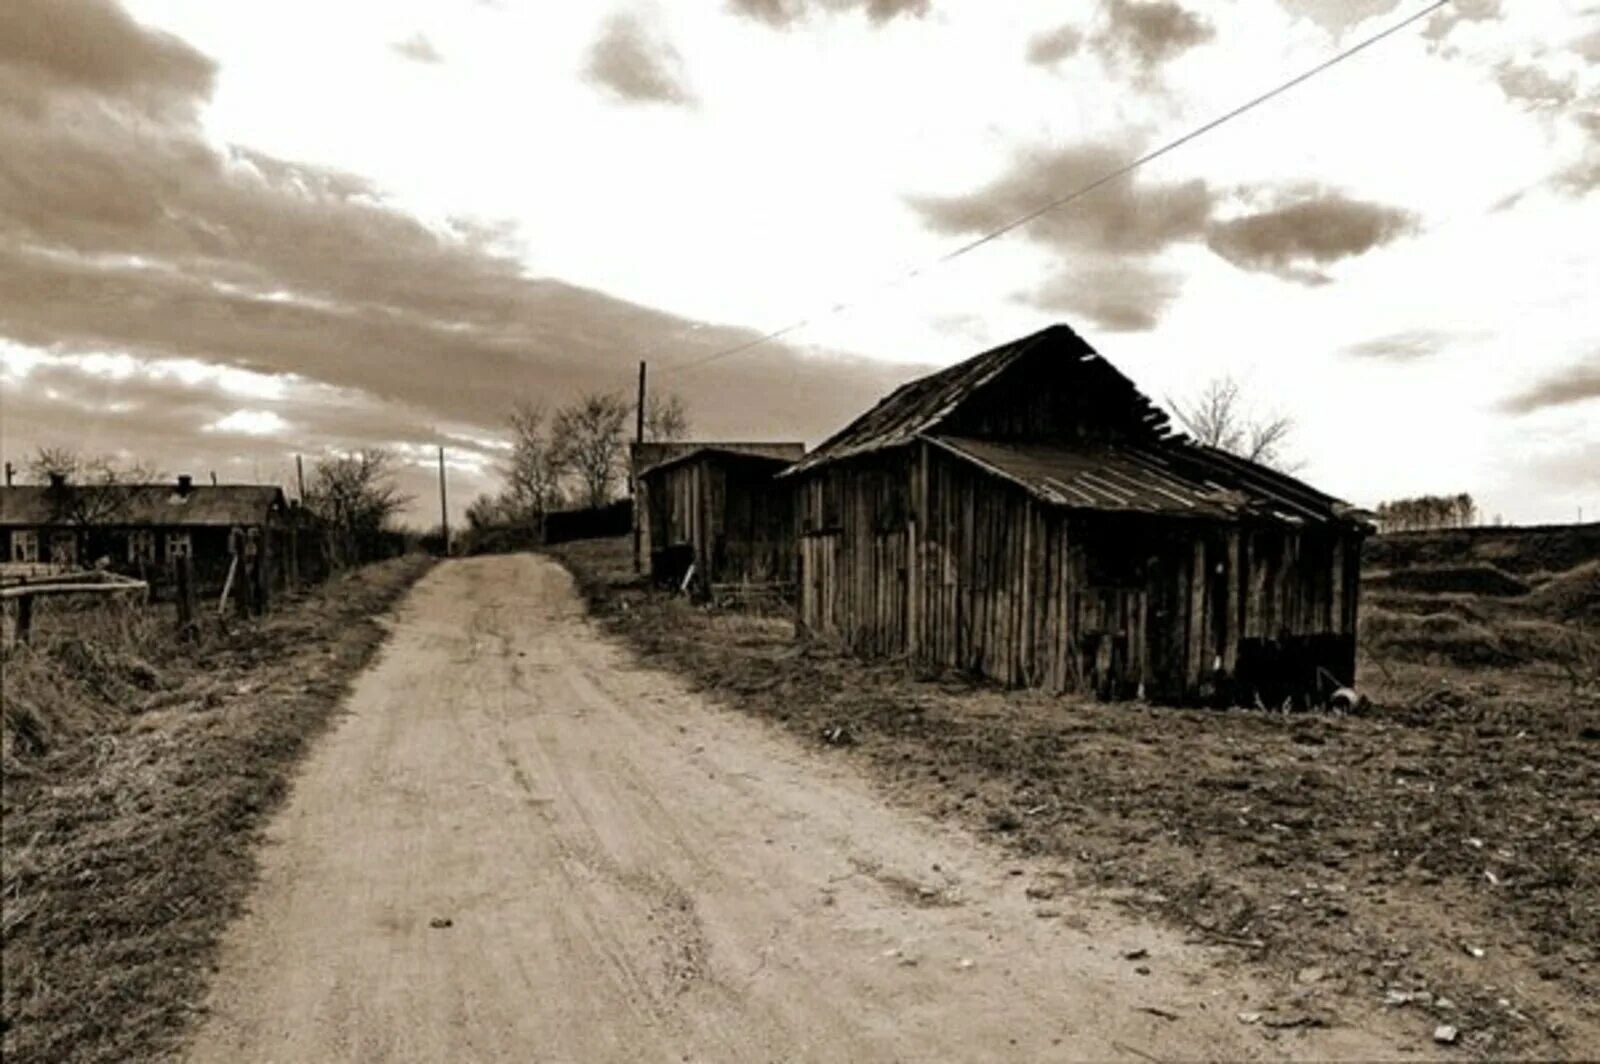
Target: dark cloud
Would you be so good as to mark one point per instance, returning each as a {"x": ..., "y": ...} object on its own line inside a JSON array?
[
  {"x": 1588, "y": 46},
  {"x": 1105, "y": 239},
  {"x": 1407, "y": 346},
  {"x": 418, "y": 49},
  {"x": 123, "y": 230},
  {"x": 1534, "y": 86},
  {"x": 637, "y": 64},
  {"x": 1052, "y": 46},
  {"x": 787, "y": 12},
  {"x": 1125, "y": 215},
  {"x": 92, "y": 48},
  {"x": 1319, "y": 227},
  {"x": 1336, "y": 16},
  {"x": 1149, "y": 32},
  {"x": 1574, "y": 384},
  {"x": 1116, "y": 295}
]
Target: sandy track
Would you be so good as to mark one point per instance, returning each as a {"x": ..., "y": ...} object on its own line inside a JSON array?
[{"x": 633, "y": 874}]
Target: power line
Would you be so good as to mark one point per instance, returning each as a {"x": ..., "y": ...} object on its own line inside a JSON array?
[{"x": 1045, "y": 208}]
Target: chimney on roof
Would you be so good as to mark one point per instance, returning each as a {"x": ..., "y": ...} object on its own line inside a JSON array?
[
  {"x": 58, "y": 481},
  {"x": 185, "y": 483}
]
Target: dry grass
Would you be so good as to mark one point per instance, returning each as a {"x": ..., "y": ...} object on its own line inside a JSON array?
[
  {"x": 1460, "y": 814},
  {"x": 138, "y": 773}
]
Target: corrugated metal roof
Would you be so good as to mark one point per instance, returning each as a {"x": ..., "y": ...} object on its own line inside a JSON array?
[
  {"x": 778, "y": 454},
  {"x": 1173, "y": 478},
  {"x": 145, "y": 504},
  {"x": 919, "y": 406}
]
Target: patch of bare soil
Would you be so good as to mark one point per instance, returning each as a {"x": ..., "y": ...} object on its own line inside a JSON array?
[
  {"x": 1439, "y": 855},
  {"x": 138, "y": 771}
]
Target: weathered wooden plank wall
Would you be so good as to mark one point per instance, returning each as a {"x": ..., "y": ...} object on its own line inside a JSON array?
[
  {"x": 916, "y": 553},
  {"x": 732, "y": 513}
]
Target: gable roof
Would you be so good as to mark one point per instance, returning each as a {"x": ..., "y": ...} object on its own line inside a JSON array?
[
  {"x": 778, "y": 455},
  {"x": 147, "y": 504},
  {"x": 1150, "y": 469},
  {"x": 652, "y": 453},
  {"x": 921, "y": 406}
]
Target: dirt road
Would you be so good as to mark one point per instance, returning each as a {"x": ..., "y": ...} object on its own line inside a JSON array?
[{"x": 630, "y": 873}]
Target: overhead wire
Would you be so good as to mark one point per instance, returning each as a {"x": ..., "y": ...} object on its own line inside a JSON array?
[{"x": 1001, "y": 231}]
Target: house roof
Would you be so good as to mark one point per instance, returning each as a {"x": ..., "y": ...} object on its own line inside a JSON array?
[
  {"x": 778, "y": 455},
  {"x": 646, "y": 456},
  {"x": 1172, "y": 478},
  {"x": 144, "y": 504},
  {"x": 921, "y": 406}
]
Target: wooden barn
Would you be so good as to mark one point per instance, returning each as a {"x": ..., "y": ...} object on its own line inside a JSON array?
[
  {"x": 141, "y": 528},
  {"x": 1030, "y": 516},
  {"x": 722, "y": 510}
]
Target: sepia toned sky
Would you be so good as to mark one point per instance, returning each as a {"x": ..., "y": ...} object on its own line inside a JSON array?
[{"x": 230, "y": 233}]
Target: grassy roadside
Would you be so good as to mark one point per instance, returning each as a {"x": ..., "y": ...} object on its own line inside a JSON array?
[
  {"x": 1438, "y": 856},
  {"x": 138, "y": 773}
]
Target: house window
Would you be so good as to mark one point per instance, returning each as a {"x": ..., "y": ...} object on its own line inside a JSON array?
[
  {"x": 25, "y": 546},
  {"x": 64, "y": 548},
  {"x": 178, "y": 546},
  {"x": 142, "y": 546}
]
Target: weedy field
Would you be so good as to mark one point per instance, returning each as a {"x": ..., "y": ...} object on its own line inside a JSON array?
[
  {"x": 1438, "y": 853},
  {"x": 138, "y": 770}
]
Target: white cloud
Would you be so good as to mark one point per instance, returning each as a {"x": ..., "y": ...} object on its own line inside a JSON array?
[{"x": 251, "y": 423}]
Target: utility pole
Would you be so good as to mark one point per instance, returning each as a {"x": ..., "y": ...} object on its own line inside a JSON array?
[
  {"x": 300, "y": 475},
  {"x": 10, "y": 469},
  {"x": 444, "y": 508},
  {"x": 633, "y": 469}
]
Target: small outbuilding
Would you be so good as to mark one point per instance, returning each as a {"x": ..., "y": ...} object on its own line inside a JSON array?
[
  {"x": 1028, "y": 515},
  {"x": 721, "y": 509},
  {"x": 142, "y": 529}
]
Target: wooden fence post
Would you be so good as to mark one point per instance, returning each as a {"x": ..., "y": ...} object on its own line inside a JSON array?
[
  {"x": 183, "y": 593},
  {"x": 25, "y": 619}
]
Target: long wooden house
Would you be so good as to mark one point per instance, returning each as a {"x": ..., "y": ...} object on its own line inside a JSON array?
[
  {"x": 721, "y": 509},
  {"x": 142, "y": 528},
  {"x": 1030, "y": 516}
]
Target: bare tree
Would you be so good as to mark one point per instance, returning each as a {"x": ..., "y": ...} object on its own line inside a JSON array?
[
  {"x": 666, "y": 417},
  {"x": 533, "y": 472},
  {"x": 1219, "y": 417},
  {"x": 355, "y": 494},
  {"x": 486, "y": 512},
  {"x": 1423, "y": 512},
  {"x": 95, "y": 489},
  {"x": 587, "y": 438}
]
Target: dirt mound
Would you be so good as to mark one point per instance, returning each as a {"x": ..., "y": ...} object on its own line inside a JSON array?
[
  {"x": 1431, "y": 637},
  {"x": 1572, "y": 596},
  {"x": 1542, "y": 548},
  {"x": 1457, "y": 579}
]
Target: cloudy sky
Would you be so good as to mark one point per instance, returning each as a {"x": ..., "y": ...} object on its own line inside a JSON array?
[{"x": 230, "y": 233}]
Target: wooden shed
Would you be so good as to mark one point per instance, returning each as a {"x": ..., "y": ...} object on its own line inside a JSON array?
[
  {"x": 1030, "y": 516},
  {"x": 651, "y": 453},
  {"x": 722, "y": 510}
]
